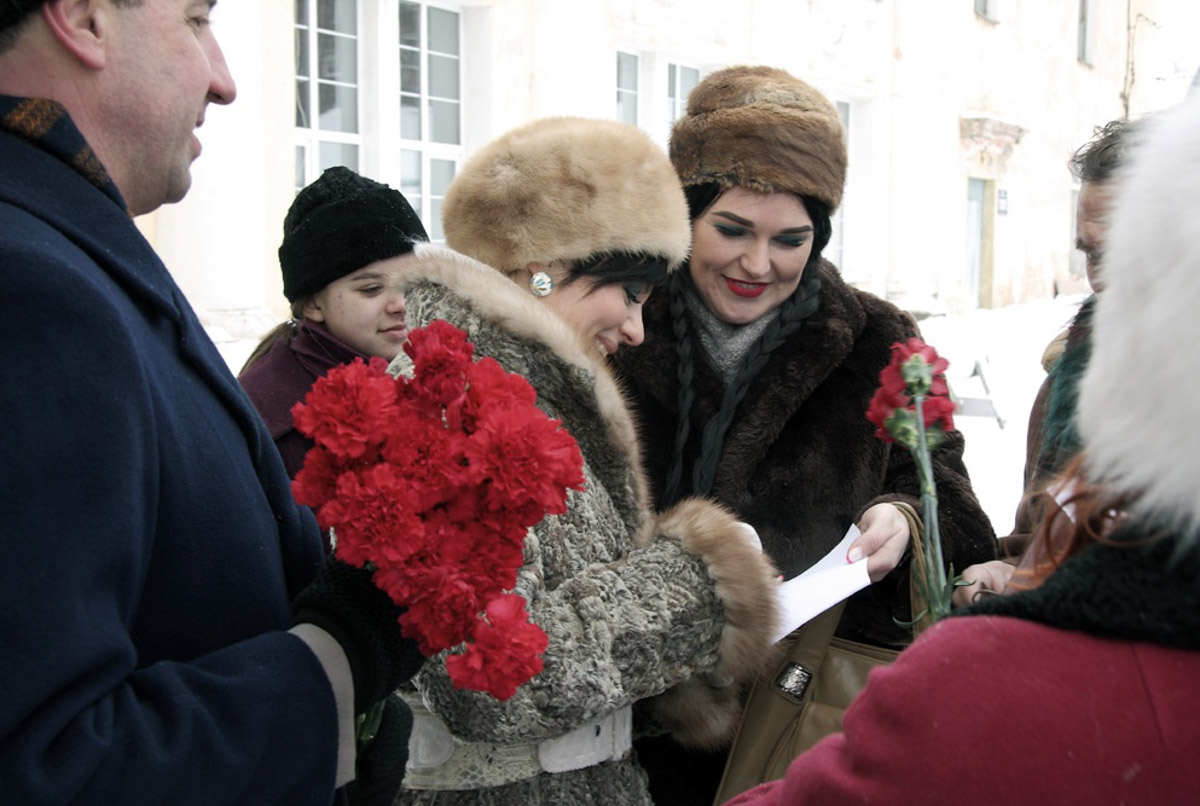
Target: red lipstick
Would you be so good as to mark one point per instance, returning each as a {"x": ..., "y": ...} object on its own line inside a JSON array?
[{"x": 743, "y": 289}]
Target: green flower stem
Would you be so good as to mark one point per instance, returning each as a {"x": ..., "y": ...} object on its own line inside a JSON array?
[
  {"x": 368, "y": 724},
  {"x": 937, "y": 591}
]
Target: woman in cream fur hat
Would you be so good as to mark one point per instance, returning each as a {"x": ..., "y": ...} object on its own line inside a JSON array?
[{"x": 563, "y": 228}]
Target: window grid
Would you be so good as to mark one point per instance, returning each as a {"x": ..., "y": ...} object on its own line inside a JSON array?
[
  {"x": 627, "y": 87},
  {"x": 988, "y": 10},
  {"x": 1084, "y": 49},
  {"x": 681, "y": 80},
  {"x": 327, "y": 70},
  {"x": 429, "y": 45},
  {"x": 834, "y": 251}
]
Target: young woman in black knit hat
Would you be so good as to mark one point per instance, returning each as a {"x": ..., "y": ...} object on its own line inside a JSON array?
[
  {"x": 760, "y": 363},
  {"x": 346, "y": 240}
]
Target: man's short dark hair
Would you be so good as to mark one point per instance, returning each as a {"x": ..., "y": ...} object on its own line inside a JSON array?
[
  {"x": 1097, "y": 159},
  {"x": 15, "y": 15}
]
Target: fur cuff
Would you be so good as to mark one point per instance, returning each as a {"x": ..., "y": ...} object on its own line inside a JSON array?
[
  {"x": 701, "y": 711},
  {"x": 698, "y": 714},
  {"x": 745, "y": 582}
]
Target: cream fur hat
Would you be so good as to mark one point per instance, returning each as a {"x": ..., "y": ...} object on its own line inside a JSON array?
[
  {"x": 1138, "y": 411},
  {"x": 565, "y": 189},
  {"x": 763, "y": 129}
]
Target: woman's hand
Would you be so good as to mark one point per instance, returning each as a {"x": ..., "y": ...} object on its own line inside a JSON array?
[
  {"x": 991, "y": 576},
  {"x": 883, "y": 541}
]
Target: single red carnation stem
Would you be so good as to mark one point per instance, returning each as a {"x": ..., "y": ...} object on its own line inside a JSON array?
[{"x": 936, "y": 598}]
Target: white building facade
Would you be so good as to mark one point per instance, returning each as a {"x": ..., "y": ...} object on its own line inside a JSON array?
[{"x": 960, "y": 117}]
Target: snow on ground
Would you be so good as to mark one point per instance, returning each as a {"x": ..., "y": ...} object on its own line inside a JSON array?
[{"x": 1008, "y": 344}]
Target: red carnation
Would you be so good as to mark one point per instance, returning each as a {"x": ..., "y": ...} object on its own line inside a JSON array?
[
  {"x": 341, "y": 412},
  {"x": 506, "y": 648},
  {"x": 912, "y": 407},
  {"x": 915, "y": 370}
]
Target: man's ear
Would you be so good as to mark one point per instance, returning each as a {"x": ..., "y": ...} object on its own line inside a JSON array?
[{"x": 82, "y": 27}]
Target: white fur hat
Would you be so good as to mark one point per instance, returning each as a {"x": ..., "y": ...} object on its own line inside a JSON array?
[
  {"x": 1139, "y": 401},
  {"x": 565, "y": 189}
]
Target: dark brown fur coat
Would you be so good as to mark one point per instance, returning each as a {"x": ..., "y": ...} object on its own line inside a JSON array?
[{"x": 801, "y": 461}]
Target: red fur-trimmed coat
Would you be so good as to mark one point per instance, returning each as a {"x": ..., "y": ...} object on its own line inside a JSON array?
[{"x": 1090, "y": 685}]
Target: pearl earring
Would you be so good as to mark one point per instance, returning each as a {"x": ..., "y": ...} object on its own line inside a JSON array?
[{"x": 541, "y": 284}]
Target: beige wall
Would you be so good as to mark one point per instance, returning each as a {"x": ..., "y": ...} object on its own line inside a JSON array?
[{"x": 937, "y": 95}]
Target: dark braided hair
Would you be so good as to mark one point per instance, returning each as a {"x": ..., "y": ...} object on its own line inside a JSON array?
[{"x": 802, "y": 304}]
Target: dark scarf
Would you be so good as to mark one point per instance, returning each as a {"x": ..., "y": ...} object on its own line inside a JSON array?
[
  {"x": 285, "y": 374},
  {"x": 1132, "y": 592},
  {"x": 801, "y": 305},
  {"x": 1060, "y": 434},
  {"x": 47, "y": 125}
]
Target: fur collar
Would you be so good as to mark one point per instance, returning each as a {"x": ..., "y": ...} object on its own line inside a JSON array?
[
  {"x": 1135, "y": 593},
  {"x": 442, "y": 283},
  {"x": 1137, "y": 401}
]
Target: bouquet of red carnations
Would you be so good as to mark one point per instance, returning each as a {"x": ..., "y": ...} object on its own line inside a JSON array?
[{"x": 432, "y": 482}]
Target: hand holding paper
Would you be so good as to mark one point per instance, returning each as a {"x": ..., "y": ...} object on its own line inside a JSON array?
[{"x": 826, "y": 583}]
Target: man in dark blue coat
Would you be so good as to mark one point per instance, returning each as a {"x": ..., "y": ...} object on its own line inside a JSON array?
[{"x": 169, "y": 632}]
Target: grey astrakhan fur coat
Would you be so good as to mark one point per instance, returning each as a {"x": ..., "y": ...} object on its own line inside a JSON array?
[{"x": 633, "y": 603}]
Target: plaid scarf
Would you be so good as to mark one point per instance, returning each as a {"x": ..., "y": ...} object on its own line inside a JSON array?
[{"x": 47, "y": 125}]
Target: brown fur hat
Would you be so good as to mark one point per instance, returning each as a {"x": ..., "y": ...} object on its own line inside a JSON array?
[
  {"x": 562, "y": 189},
  {"x": 763, "y": 129}
]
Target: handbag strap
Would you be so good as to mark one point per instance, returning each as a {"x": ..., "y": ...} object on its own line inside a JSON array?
[
  {"x": 806, "y": 651},
  {"x": 916, "y": 568},
  {"x": 810, "y": 643}
]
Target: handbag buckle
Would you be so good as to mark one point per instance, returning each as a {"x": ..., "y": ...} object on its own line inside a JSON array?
[{"x": 793, "y": 680}]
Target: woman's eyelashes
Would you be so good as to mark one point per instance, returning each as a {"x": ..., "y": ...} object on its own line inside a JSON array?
[
  {"x": 635, "y": 293},
  {"x": 786, "y": 241}
]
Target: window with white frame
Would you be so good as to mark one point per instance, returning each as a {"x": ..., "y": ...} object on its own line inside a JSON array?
[
  {"x": 379, "y": 90},
  {"x": 1087, "y": 10},
  {"x": 681, "y": 81},
  {"x": 987, "y": 9},
  {"x": 327, "y": 92},
  {"x": 430, "y": 54},
  {"x": 834, "y": 252},
  {"x": 627, "y": 87}
]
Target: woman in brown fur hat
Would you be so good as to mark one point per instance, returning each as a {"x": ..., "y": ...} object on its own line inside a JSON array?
[
  {"x": 760, "y": 363},
  {"x": 575, "y": 222},
  {"x": 1109, "y": 615}
]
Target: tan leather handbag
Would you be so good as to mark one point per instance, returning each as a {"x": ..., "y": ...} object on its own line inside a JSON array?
[{"x": 800, "y": 700}]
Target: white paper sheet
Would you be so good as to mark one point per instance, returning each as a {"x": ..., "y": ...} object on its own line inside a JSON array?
[{"x": 822, "y": 586}]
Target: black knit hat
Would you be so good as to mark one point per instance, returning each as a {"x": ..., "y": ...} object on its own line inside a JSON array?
[
  {"x": 14, "y": 11},
  {"x": 337, "y": 225}
]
